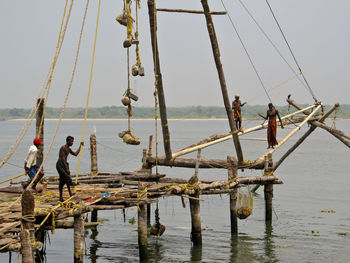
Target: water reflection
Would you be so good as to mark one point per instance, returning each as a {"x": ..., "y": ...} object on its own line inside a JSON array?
[
  {"x": 96, "y": 244},
  {"x": 242, "y": 250},
  {"x": 196, "y": 254},
  {"x": 269, "y": 243},
  {"x": 156, "y": 251}
]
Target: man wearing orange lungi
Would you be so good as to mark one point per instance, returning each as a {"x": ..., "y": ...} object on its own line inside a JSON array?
[{"x": 272, "y": 125}]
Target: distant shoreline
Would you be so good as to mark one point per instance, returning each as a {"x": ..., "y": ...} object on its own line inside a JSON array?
[{"x": 144, "y": 119}]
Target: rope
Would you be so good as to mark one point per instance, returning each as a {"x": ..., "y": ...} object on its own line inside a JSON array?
[
  {"x": 88, "y": 97},
  {"x": 52, "y": 140},
  {"x": 129, "y": 109},
  {"x": 273, "y": 45},
  {"x": 290, "y": 49},
  {"x": 246, "y": 51},
  {"x": 15, "y": 177},
  {"x": 31, "y": 115}
]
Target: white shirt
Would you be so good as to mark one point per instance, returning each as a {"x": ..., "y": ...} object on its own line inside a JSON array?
[{"x": 31, "y": 156}]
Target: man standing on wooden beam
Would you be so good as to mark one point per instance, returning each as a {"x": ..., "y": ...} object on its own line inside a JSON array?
[{"x": 237, "y": 111}]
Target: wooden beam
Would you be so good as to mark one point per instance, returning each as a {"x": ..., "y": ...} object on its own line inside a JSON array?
[
  {"x": 190, "y": 11},
  {"x": 232, "y": 176},
  {"x": 302, "y": 138},
  {"x": 27, "y": 231},
  {"x": 39, "y": 131},
  {"x": 204, "y": 163},
  {"x": 158, "y": 76},
  {"x": 214, "y": 139},
  {"x": 337, "y": 133},
  {"x": 227, "y": 103},
  {"x": 290, "y": 134}
]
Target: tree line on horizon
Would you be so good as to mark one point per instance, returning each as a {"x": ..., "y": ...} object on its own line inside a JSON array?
[{"x": 193, "y": 112}]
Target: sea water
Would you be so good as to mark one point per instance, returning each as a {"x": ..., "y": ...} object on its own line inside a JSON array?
[{"x": 316, "y": 178}]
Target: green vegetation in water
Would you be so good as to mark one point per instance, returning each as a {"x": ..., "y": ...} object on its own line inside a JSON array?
[
  {"x": 132, "y": 221},
  {"x": 328, "y": 211}
]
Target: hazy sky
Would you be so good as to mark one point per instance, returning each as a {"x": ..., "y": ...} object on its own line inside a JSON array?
[{"x": 318, "y": 32}]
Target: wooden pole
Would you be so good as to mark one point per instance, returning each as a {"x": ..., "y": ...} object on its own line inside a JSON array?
[
  {"x": 343, "y": 137},
  {"x": 93, "y": 154},
  {"x": 189, "y": 11},
  {"x": 205, "y": 163},
  {"x": 39, "y": 131},
  {"x": 150, "y": 145},
  {"x": 158, "y": 76},
  {"x": 292, "y": 102},
  {"x": 142, "y": 223},
  {"x": 268, "y": 189},
  {"x": 196, "y": 232},
  {"x": 214, "y": 139},
  {"x": 94, "y": 168},
  {"x": 290, "y": 134},
  {"x": 78, "y": 238},
  {"x": 302, "y": 138},
  {"x": 216, "y": 53},
  {"x": 232, "y": 175},
  {"x": 27, "y": 232}
]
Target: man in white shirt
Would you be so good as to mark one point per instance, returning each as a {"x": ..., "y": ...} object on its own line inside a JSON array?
[{"x": 30, "y": 165}]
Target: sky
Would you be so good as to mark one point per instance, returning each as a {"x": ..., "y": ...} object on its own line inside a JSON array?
[{"x": 317, "y": 30}]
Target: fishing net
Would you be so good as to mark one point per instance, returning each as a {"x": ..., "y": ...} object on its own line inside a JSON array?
[{"x": 244, "y": 205}]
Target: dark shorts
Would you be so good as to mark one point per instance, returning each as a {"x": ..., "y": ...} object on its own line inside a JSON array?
[{"x": 64, "y": 176}]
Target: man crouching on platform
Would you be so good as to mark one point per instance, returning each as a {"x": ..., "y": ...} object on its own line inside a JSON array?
[{"x": 62, "y": 165}]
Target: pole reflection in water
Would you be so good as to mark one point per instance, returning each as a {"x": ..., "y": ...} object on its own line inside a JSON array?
[
  {"x": 269, "y": 243},
  {"x": 96, "y": 244},
  {"x": 196, "y": 254},
  {"x": 156, "y": 251},
  {"x": 242, "y": 250}
]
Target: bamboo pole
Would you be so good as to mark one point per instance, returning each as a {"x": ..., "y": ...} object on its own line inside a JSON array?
[
  {"x": 78, "y": 238},
  {"x": 333, "y": 132},
  {"x": 190, "y": 11},
  {"x": 158, "y": 76},
  {"x": 223, "y": 138},
  {"x": 292, "y": 102},
  {"x": 301, "y": 139},
  {"x": 39, "y": 131},
  {"x": 290, "y": 134},
  {"x": 150, "y": 145},
  {"x": 27, "y": 232},
  {"x": 142, "y": 224},
  {"x": 93, "y": 154},
  {"x": 268, "y": 189},
  {"x": 216, "y": 53},
  {"x": 232, "y": 175},
  {"x": 196, "y": 232}
]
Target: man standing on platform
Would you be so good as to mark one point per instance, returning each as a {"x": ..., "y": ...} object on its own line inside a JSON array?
[
  {"x": 62, "y": 165},
  {"x": 30, "y": 166},
  {"x": 236, "y": 107},
  {"x": 272, "y": 125}
]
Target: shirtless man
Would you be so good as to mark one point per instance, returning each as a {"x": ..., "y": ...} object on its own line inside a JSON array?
[
  {"x": 272, "y": 125},
  {"x": 62, "y": 165},
  {"x": 236, "y": 107}
]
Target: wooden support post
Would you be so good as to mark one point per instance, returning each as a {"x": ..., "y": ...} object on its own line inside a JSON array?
[
  {"x": 158, "y": 76},
  {"x": 93, "y": 154},
  {"x": 196, "y": 232},
  {"x": 94, "y": 215},
  {"x": 144, "y": 159},
  {"x": 40, "y": 236},
  {"x": 27, "y": 232},
  {"x": 216, "y": 53},
  {"x": 78, "y": 238},
  {"x": 39, "y": 131},
  {"x": 268, "y": 189},
  {"x": 232, "y": 175},
  {"x": 94, "y": 168},
  {"x": 150, "y": 146},
  {"x": 142, "y": 223}
]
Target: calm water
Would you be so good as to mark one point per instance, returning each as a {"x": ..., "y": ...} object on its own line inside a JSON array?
[{"x": 315, "y": 178}]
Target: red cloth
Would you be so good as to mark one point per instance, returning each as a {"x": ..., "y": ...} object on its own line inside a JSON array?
[{"x": 271, "y": 132}]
